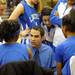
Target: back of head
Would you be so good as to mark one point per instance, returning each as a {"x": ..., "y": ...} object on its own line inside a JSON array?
[
  {"x": 24, "y": 68},
  {"x": 69, "y": 21},
  {"x": 21, "y": 68},
  {"x": 9, "y": 29}
]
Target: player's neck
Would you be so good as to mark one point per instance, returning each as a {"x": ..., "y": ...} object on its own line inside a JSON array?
[{"x": 29, "y": 3}]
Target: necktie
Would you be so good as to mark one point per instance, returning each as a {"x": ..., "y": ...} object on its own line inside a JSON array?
[{"x": 36, "y": 57}]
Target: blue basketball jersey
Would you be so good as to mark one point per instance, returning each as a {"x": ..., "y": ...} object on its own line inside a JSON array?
[{"x": 30, "y": 16}]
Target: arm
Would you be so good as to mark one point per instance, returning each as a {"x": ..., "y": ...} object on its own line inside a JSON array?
[
  {"x": 59, "y": 52},
  {"x": 54, "y": 11},
  {"x": 59, "y": 68},
  {"x": 54, "y": 18},
  {"x": 17, "y": 12}
]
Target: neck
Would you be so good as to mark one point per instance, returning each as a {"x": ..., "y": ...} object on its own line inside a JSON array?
[
  {"x": 11, "y": 41},
  {"x": 29, "y": 3},
  {"x": 38, "y": 46},
  {"x": 70, "y": 34}
]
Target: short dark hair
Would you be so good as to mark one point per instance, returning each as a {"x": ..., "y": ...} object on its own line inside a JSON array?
[
  {"x": 69, "y": 20},
  {"x": 40, "y": 29},
  {"x": 45, "y": 12},
  {"x": 24, "y": 68},
  {"x": 9, "y": 29}
]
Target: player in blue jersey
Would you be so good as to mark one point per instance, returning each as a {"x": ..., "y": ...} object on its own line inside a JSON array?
[
  {"x": 26, "y": 13},
  {"x": 67, "y": 49},
  {"x": 11, "y": 51},
  {"x": 61, "y": 9}
]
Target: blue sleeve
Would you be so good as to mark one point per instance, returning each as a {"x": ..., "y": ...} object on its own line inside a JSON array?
[
  {"x": 66, "y": 68},
  {"x": 59, "y": 53},
  {"x": 55, "y": 20}
]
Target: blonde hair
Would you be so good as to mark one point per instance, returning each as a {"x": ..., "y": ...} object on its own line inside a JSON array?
[
  {"x": 2, "y": 1},
  {"x": 40, "y": 6}
]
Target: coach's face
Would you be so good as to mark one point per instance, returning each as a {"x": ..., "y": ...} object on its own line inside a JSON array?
[{"x": 35, "y": 38}]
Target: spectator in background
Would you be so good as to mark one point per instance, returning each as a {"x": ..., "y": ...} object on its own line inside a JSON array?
[
  {"x": 2, "y": 8},
  {"x": 67, "y": 49},
  {"x": 11, "y": 51},
  {"x": 10, "y": 5}
]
